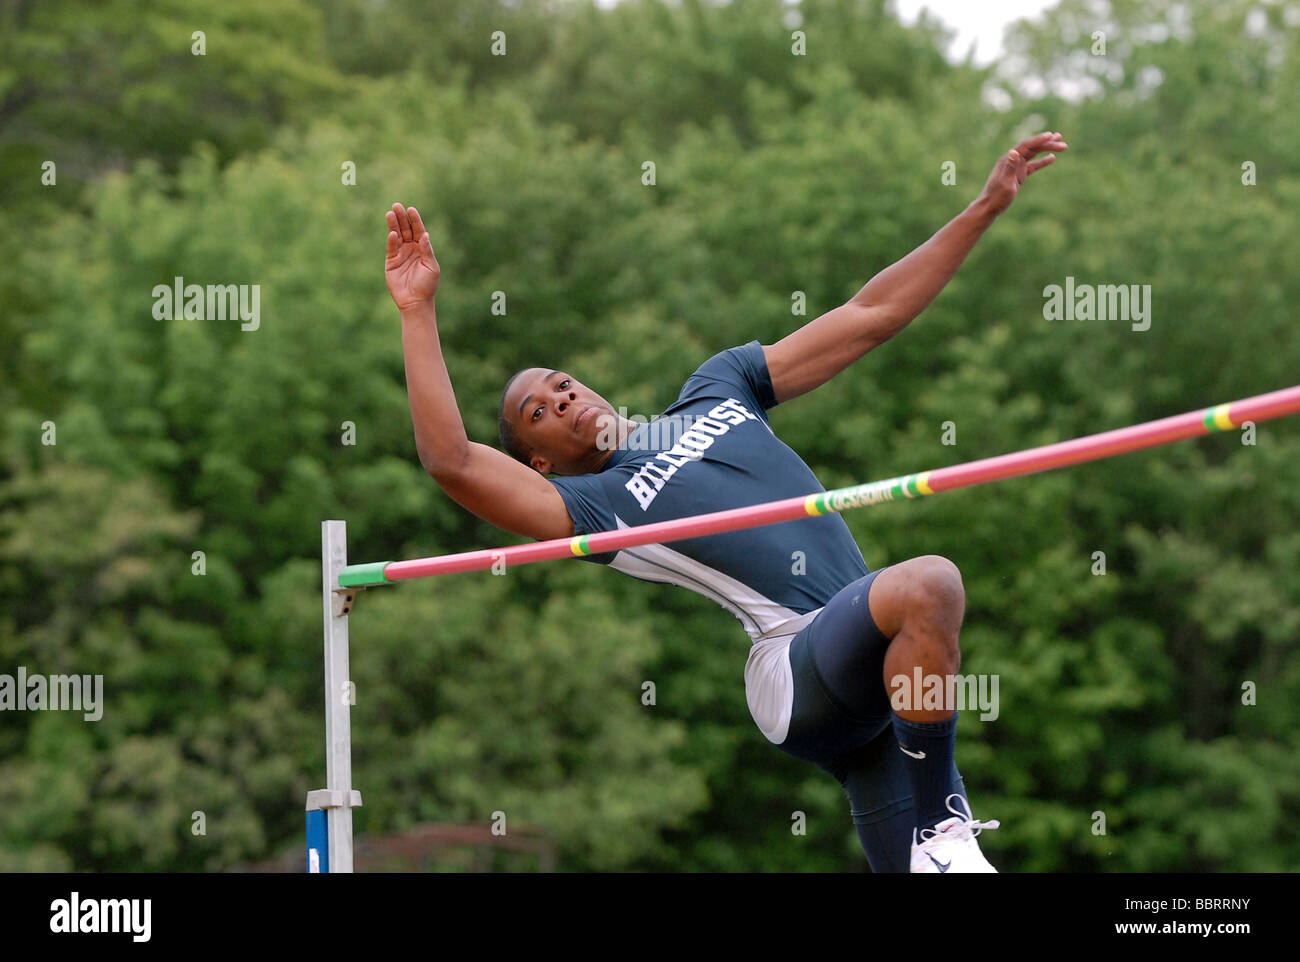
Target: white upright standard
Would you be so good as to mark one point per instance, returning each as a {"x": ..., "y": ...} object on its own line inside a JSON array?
[{"x": 329, "y": 811}]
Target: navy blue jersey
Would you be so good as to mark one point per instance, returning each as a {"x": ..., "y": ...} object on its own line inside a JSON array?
[{"x": 711, "y": 450}]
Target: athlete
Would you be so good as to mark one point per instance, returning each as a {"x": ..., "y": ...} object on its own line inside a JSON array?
[{"x": 827, "y": 635}]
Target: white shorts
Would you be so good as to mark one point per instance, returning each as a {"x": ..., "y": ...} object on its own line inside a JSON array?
[{"x": 769, "y": 683}]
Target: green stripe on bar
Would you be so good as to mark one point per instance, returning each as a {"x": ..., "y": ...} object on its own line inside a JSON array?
[{"x": 359, "y": 576}]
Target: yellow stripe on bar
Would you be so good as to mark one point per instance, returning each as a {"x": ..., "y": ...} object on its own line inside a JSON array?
[
  {"x": 1223, "y": 420},
  {"x": 923, "y": 483},
  {"x": 810, "y": 505},
  {"x": 576, "y": 546}
]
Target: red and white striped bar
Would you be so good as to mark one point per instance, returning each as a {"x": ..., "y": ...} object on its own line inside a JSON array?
[{"x": 1095, "y": 447}]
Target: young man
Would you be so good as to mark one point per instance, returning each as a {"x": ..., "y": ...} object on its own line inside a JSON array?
[{"x": 825, "y": 642}]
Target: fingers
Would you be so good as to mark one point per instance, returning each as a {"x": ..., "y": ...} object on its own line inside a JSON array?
[
  {"x": 1027, "y": 148},
  {"x": 421, "y": 234},
  {"x": 1040, "y": 163},
  {"x": 403, "y": 226},
  {"x": 417, "y": 225},
  {"x": 1047, "y": 140}
]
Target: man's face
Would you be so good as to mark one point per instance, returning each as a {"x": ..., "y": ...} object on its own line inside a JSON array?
[{"x": 563, "y": 423}]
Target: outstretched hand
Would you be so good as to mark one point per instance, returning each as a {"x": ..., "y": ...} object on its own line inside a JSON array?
[
  {"x": 1017, "y": 164},
  {"x": 410, "y": 268}
]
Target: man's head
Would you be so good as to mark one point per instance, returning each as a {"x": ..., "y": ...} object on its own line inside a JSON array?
[{"x": 551, "y": 422}]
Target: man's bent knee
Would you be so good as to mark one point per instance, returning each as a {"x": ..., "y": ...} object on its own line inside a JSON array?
[
  {"x": 936, "y": 582},
  {"x": 926, "y": 590}
]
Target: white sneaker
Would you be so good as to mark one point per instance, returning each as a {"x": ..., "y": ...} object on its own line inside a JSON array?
[{"x": 950, "y": 846}]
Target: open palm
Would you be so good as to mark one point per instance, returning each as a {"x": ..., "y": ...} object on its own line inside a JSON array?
[{"x": 410, "y": 268}]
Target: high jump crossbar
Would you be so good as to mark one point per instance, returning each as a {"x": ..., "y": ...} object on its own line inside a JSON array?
[{"x": 329, "y": 812}]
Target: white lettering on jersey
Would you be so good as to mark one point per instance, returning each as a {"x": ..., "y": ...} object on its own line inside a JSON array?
[{"x": 651, "y": 478}]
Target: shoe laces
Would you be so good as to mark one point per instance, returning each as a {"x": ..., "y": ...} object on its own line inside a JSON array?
[{"x": 967, "y": 828}]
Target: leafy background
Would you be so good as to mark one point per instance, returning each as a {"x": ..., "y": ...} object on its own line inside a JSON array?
[{"x": 775, "y": 173}]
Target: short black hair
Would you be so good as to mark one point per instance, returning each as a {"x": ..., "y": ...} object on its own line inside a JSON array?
[{"x": 510, "y": 441}]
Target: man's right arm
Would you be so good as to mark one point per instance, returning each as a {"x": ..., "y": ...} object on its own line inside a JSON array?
[{"x": 481, "y": 479}]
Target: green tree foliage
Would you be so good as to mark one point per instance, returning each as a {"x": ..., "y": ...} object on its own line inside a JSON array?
[
  {"x": 101, "y": 86},
  {"x": 1120, "y": 693}
]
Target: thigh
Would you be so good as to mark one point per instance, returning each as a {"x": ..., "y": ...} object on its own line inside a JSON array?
[
  {"x": 836, "y": 665},
  {"x": 820, "y": 730},
  {"x": 848, "y": 649}
]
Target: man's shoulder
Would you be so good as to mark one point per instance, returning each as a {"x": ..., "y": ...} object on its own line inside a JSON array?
[
  {"x": 742, "y": 369},
  {"x": 727, "y": 362}
]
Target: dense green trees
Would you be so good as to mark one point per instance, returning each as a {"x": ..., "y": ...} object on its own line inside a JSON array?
[{"x": 774, "y": 173}]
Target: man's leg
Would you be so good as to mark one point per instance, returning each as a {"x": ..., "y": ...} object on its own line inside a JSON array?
[
  {"x": 918, "y": 605},
  {"x": 914, "y": 613},
  {"x": 880, "y": 796}
]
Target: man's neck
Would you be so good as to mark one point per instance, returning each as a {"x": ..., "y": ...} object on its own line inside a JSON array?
[{"x": 619, "y": 441}]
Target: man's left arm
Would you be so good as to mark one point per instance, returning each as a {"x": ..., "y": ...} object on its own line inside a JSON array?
[{"x": 823, "y": 347}]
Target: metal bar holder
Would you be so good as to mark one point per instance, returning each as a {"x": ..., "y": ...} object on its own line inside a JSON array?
[{"x": 329, "y": 811}]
